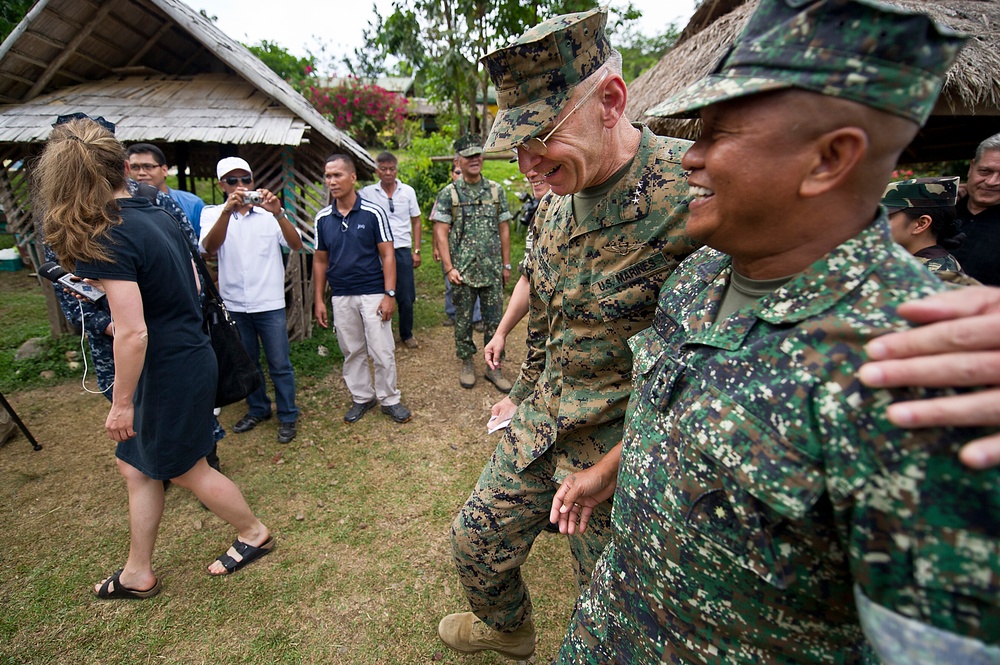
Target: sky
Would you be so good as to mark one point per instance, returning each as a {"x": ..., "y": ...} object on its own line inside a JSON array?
[{"x": 302, "y": 26}]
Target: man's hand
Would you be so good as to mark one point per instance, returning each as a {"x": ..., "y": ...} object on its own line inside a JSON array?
[
  {"x": 957, "y": 346},
  {"x": 504, "y": 409},
  {"x": 270, "y": 202},
  {"x": 119, "y": 422},
  {"x": 494, "y": 350},
  {"x": 454, "y": 276},
  {"x": 416, "y": 260},
  {"x": 319, "y": 309},
  {"x": 386, "y": 308},
  {"x": 506, "y": 276}
]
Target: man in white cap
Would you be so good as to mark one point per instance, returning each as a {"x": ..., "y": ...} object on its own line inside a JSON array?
[{"x": 248, "y": 232}]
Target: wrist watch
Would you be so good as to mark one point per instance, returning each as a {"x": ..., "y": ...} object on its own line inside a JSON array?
[
  {"x": 507, "y": 266},
  {"x": 391, "y": 293},
  {"x": 415, "y": 251}
]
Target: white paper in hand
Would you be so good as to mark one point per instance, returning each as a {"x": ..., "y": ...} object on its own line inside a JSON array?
[{"x": 495, "y": 424}]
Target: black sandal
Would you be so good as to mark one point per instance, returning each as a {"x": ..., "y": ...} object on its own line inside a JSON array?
[
  {"x": 248, "y": 554},
  {"x": 112, "y": 588}
]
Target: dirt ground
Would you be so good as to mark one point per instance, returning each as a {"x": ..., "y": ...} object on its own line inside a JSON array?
[{"x": 361, "y": 514}]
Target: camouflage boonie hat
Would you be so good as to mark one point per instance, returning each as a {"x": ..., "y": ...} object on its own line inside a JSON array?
[
  {"x": 535, "y": 75},
  {"x": 921, "y": 193},
  {"x": 861, "y": 50},
  {"x": 468, "y": 145}
]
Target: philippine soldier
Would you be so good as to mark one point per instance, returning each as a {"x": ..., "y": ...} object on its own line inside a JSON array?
[
  {"x": 922, "y": 219},
  {"x": 603, "y": 246},
  {"x": 472, "y": 231},
  {"x": 765, "y": 508}
]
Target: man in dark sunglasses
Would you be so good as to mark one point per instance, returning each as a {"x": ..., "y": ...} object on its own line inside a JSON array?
[
  {"x": 399, "y": 202},
  {"x": 248, "y": 232}
]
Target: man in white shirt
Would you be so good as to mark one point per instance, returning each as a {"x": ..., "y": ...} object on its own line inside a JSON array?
[
  {"x": 248, "y": 232},
  {"x": 399, "y": 202}
]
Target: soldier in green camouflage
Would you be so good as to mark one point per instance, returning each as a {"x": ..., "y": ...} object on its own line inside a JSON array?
[
  {"x": 923, "y": 220},
  {"x": 472, "y": 234},
  {"x": 766, "y": 510},
  {"x": 603, "y": 245}
]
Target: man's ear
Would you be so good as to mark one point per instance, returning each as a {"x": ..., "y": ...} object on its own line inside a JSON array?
[
  {"x": 836, "y": 154},
  {"x": 613, "y": 99}
]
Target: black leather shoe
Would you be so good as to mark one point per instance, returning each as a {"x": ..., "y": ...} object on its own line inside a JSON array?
[
  {"x": 286, "y": 432},
  {"x": 357, "y": 410},
  {"x": 248, "y": 422},
  {"x": 397, "y": 412}
]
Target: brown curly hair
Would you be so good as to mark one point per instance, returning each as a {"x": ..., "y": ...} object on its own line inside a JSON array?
[{"x": 76, "y": 177}]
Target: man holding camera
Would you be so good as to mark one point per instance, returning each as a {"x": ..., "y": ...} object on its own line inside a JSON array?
[{"x": 248, "y": 232}]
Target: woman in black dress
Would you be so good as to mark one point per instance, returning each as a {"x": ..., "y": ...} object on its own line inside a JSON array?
[{"x": 165, "y": 369}]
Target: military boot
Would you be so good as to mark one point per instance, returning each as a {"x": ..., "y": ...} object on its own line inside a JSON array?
[
  {"x": 496, "y": 377},
  {"x": 466, "y": 633},
  {"x": 468, "y": 376}
]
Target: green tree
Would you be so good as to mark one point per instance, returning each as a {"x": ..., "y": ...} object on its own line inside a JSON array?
[
  {"x": 11, "y": 13},
  {"x": 640, "y": 52},
  {"x": 299, "y": 72}
]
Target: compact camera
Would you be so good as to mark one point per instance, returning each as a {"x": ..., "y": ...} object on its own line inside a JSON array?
[
  {"x": 54, "y": 272},
  {"x": 253, "y": 198}
]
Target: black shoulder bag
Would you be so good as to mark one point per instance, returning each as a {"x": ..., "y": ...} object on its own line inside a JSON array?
[{"x": 238, "y": 375}]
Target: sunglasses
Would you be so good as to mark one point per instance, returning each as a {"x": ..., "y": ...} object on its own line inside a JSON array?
[
  {"x": 70, "y": 117},
  {"x": 232, "y": 180},
  {"x": 392, "y": 208},
  {"x": 536, "y": 146}
]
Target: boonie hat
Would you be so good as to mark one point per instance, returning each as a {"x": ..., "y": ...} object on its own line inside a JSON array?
[
  {"x": 865, "y": 51},
  {"x": 468, "y": 145},
  {"x": 229, "y": 164},
  {"x": 535, "y": 75},
  {"x": 921, "y": 193}
]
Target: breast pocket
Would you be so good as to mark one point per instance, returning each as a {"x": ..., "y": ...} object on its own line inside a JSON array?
[
  {"x": 627, "y": 296},
  {"x": 741, "y": 482}
]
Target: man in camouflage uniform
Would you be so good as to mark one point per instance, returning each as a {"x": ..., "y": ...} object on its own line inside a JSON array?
[
  {"x": 765, "y": 508},
  {"x": 603, "y": 246},
  {"x": 922, "y": 219},
  {"x": 472, "y": 232}
]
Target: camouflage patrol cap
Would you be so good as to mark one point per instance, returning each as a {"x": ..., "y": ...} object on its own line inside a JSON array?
[
  {"x": 921, "y": 193},
  {"x": 861, "y": 50},
  {"x": 535, "y": 75},
  {"x": 468, "y": 145}
]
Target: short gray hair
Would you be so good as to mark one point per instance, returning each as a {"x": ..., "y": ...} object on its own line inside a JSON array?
[{"x": 992, "y": 143}]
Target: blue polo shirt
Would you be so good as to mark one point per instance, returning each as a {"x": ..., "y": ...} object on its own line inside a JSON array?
[{"x": 354, "y": 267}]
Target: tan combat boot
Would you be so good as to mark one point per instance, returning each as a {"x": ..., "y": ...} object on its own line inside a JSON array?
[
  {"x": 468, "y": 376},
  {"x": 466, "y": 633},
  {"x": 496, "y": 377}
]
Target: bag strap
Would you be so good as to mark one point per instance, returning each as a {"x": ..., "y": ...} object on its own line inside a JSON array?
[{"x": 206, "y": 277}]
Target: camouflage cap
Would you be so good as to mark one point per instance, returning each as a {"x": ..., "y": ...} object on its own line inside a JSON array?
[
  {"x": 468, "y": 145},
  {"x": 535, "y": 75},
  {"x": 862, "y": 50},
  {"x": 921, "y": 193}
]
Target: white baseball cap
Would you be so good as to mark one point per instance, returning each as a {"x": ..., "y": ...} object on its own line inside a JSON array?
[{"x": 227, "y": 164}]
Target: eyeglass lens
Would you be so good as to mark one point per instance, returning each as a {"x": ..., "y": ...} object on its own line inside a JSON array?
[{"x": 232, "y": 180}]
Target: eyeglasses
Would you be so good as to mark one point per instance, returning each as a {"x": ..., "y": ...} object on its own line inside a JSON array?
[
  {"x": 232, "y": 180},
  {"x": 144, "y": 167},
  {"x": 343, "y": 223},
  {"x": 392, "y": 208},
  {"x": 70, "y": 117},
  {"x": 536, "y": 146}
]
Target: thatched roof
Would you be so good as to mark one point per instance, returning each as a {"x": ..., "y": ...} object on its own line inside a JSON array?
[
  {"x": 967, "y": 112},
  {"x": 157, "y": 69}
]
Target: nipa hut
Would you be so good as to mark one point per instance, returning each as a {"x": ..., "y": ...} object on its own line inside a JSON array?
[
  {"x": 967, "y": 112},
  {"x": 163, "y": 74}
]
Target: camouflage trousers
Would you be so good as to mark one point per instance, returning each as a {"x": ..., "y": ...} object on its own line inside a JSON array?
[
  {"x": 494, "y": 531},
  {"x": 491, "y": 303}
]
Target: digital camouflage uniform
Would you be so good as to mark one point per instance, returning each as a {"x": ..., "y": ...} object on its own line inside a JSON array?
[
  {"x": 761, "y": 485},
  {"x": 474, "y": 243},
  {"x": 594, "y": 283},
  {"x": 760, "y": 480}
]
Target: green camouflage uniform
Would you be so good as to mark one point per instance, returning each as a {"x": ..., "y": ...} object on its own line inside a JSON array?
[
  {"x": 594, "y": 283},
  {"x": 474, "y": 243},
  {"x": 766, "y": 509},
  {"x": 760, "y": 481}
]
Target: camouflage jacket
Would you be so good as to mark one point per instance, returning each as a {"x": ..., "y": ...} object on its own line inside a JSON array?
[
  {"x": 944, "y": 265},
  {"x": 474, "y": 212},
  {"x": 760, "y": 482},
  {"x": 594, "y": 284}
]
